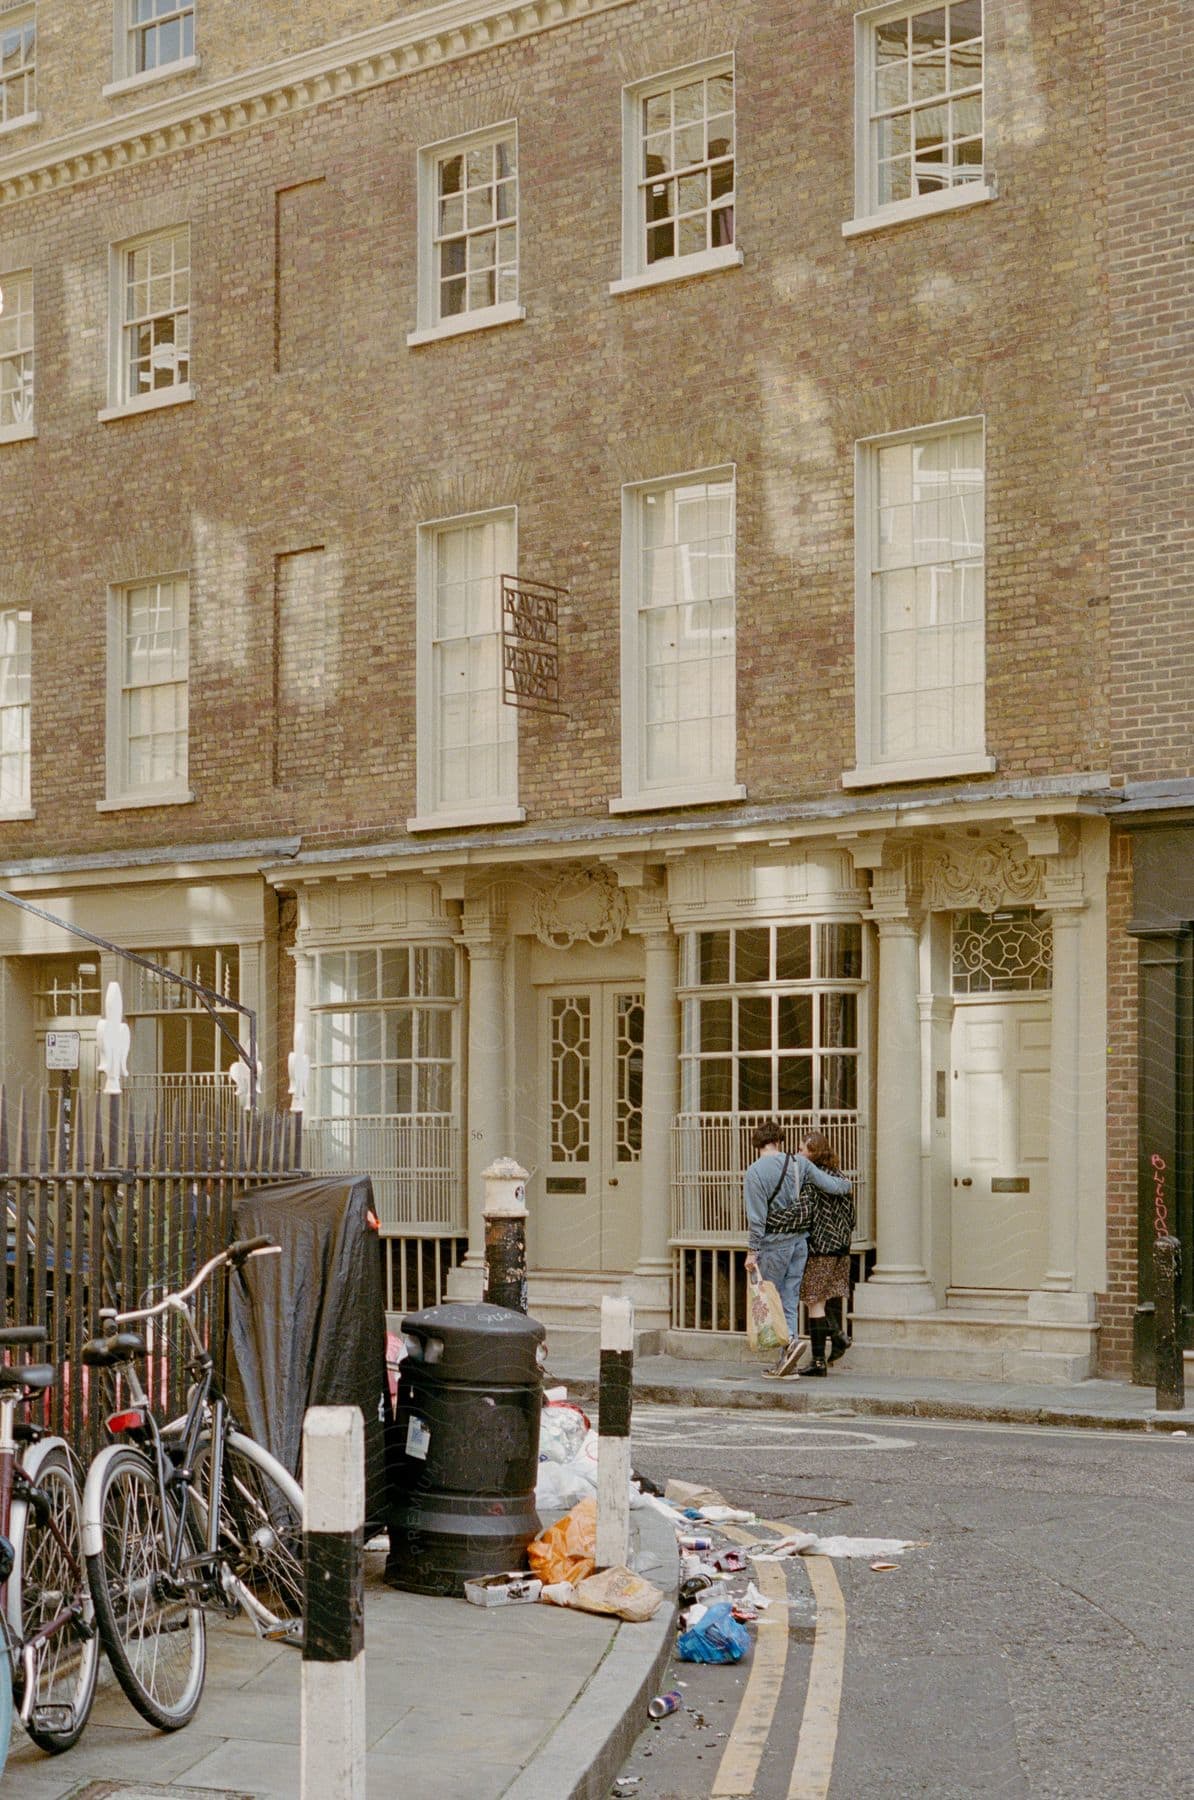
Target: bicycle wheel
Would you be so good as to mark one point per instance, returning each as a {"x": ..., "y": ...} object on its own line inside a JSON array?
[
  {"x": 261, "y": 1533},
  {"x": 47, "y": 1580},
  {"x": 153, "y": 1628},
  {"x": 5, "y": 1709}
]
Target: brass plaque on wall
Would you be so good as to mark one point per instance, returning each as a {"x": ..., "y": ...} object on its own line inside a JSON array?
[{"x": 1010, "y": 1184}]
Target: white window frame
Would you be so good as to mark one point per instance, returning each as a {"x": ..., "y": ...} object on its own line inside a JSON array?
[
  {"x": 18, "y": 429},
  {"x": 121, "y": 792},
  {"x": 121, "y": 401},
  {"x": 431, "y": 325},
  {"x": 637, "y": 795},
  {"x": 871, "y": 769},
  {"x": 20, "y": 17},
  {"x": 126, "y": 76},
  {"x": 21, "y": 654},
  {"x": 637, "y": 273},
  {"x": 869, "y": 215},
  {"x": 434, "y": 814}
]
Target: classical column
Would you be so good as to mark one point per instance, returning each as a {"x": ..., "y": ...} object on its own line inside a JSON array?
[
  {"x": 487, "y": 1076},
  {"x": 899, "y": 1283},
  {"x": 661, "y": 1086},
  {"x": 1064, "y": 1098}
]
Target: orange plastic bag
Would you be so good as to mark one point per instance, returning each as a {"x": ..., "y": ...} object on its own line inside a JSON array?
[{"x": 567, "y": 1550}]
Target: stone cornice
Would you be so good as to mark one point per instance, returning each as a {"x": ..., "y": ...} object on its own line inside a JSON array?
[{"x": 369, "y": 59}]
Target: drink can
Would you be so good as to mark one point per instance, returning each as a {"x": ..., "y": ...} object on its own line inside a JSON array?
[
  {"x": 663, "y": 1704},
  {"x": 696, "y": 1543}
]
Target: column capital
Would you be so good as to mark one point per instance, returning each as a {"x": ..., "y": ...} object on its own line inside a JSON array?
[{"x": 897, "y": 888}]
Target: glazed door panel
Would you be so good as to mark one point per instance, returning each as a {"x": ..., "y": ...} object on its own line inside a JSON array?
[{"x": 591, "y": 1038}]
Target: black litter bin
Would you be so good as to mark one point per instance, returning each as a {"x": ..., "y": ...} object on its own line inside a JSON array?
[{"x": 466, "y": 1447}]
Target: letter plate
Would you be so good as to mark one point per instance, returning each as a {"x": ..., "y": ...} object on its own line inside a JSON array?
[{"x": 1010, "y": 1184}]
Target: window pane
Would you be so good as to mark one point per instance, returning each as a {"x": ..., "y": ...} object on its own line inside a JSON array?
[
  {"x": 839, "y": 1082},
  {"x": 795, "y": 1022},
  {"x": 792, "y": 953},
  {"x": 754, "y": 1084},
  {"x": 714, "y": 958},
  {"x": 717, "y": 1092},
  {"x": 752, "y": 955},
  {"x": 716, "y": 1025},
  {"x": 839, "y": 952},
  {"x": 839, "y": 1020},
  {"x": 754, "y": 1022},
  {"x": 795, "y": 1083}
]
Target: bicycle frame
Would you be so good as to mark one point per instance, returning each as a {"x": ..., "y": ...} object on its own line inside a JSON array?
[{"x": 15, "y": 1485}]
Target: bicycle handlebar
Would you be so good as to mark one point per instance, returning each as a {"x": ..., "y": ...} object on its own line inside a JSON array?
[{"x": 236, "y": 1254}]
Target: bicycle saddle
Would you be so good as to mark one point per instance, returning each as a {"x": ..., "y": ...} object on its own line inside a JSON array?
[
  {"x": 107, "y": 1352},
  {"x": 23, "y": 1334},
  {"x": 27, "y": 1375}
]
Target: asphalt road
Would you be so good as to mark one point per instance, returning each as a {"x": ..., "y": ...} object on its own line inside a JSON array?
[{"x": 1039, "y": 1643}]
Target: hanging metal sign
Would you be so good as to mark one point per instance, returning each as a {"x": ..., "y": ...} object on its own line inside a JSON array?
[{"x": 531, "y": 644}]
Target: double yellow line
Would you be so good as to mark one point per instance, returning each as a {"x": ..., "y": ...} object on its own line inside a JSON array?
[{"x": 813, "y": 1765}]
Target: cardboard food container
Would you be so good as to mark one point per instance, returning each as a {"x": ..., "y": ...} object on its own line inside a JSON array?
[{"x": 515, "y": 1588}]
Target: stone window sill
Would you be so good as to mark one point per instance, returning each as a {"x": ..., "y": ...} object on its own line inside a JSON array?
[
  {"x": 508, "y": 814},
  {"x": 659, "y": 799},
  {"x": 125, "y": 802},
  {"x": 13, "y": 813},
  {"x": 482, "y": 320},
  {"x": 128, "y": 84},
  {"x": 17, "y": 434},
  {"x": 153, "y": 402},
  {"x": 932, "y": 768},
  {"x": 680, "y": 268},
  {"x": 925, "y": 206},
  {"x": 30, "y": 118}
]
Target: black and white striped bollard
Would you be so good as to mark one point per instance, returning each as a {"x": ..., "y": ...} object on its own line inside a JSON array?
[
  {"x": 333, "y": 1688},
  {"x": 613, "y": 1432},
  {"x": 506, "y": 1234}
]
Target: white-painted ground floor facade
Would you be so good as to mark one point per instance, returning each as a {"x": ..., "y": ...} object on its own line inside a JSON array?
[{"x": 617, "y": 1010}]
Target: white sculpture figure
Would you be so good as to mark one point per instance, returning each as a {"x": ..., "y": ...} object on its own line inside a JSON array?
[
  {"x": 112, "y": 1040},
  {"x": 298, "y": 1067},
  {"x": 238, "y": 1075}
]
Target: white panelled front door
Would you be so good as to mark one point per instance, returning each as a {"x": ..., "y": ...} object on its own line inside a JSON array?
[
  {"x": 1000, "y": 1143},
  {"x": 592, "y": 1061}
]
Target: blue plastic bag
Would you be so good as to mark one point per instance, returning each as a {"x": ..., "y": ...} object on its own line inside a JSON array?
[{"x": 716, "y": 1638}]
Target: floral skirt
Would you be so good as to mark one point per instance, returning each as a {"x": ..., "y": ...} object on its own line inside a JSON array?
[{"x": 825, "y": 1277}]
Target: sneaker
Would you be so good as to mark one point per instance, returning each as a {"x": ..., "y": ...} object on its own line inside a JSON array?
[
  {"x": 792, "y": 1355},
  {"x": 780, "y": 1371}
]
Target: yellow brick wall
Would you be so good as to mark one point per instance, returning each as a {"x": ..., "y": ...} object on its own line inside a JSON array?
[{"x": 352, "y": 440}]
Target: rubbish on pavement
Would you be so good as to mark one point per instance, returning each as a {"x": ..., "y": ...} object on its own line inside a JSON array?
[
  {"x": 515, "y": 1588},
  {"x": 559, "y": 1486},
  {"x": 754, "y": 1598},
  {"x": 663, "y": 1704},
  {"x": 745, "y": 1615},
  {"x": 731, "y": 1562},
  {"x": 881, "y": 1568},
  {"x": 687, "y": 1493},
  {"x": 625, "y": 1784},
  {"x": 614, "y": 1591},
  {"x": 795, "y": 1544},
  {"x": 563, "y": 1428},
  {"x": 693, "y": 1616},
  {"x": 696, "y": 1584},
  {"x": 720, "y": 1515},
  {"x": 766, "y": 1327},
  {"x": 695, "y": 1543},
  {"x": 717, "y": 1638},
  {"x": 567, "y": 1550},
  {"x": 868, "y": 1547}
]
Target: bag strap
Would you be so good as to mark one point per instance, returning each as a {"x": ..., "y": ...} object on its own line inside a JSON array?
[{"x": 783, "y": 1176}]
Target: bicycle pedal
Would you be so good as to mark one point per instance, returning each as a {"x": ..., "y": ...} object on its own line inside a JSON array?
[
  {"x": 286, "y": 1631},
  {"x": 53, "y": 1718}
]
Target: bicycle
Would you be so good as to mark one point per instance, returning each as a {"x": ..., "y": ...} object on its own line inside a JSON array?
[
  {"x": 183, "y": 1519},
  {"x": 47, "y": 1620}
]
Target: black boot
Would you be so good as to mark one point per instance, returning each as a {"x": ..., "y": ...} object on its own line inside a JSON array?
[
  {"x": 837, "y": 1335},
  {"x": 818, "y": 1330}
]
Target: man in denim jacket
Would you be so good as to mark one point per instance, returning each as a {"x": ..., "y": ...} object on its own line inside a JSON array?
[{"x": 777, "y": 1231}]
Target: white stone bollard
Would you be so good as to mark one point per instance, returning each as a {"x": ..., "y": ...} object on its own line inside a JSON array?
[
  {"x": 506, "y": 1234},
  {"x": 333, "y": 1687},
  {"x": 613, "y": 1431}
]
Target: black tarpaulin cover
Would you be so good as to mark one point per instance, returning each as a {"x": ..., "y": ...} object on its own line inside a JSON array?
[{"x": 308, "y": 1327}]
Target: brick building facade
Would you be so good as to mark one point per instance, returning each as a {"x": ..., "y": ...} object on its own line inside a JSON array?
[{"x": 779, "y": 338}]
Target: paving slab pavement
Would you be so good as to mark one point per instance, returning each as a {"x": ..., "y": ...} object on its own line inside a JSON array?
[
  {"x": 679, "y": 1381},
  {"x": 462, "y": 1703}
]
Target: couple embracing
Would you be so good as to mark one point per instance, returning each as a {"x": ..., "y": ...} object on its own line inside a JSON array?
[{"x": 800, "y": 1218}]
